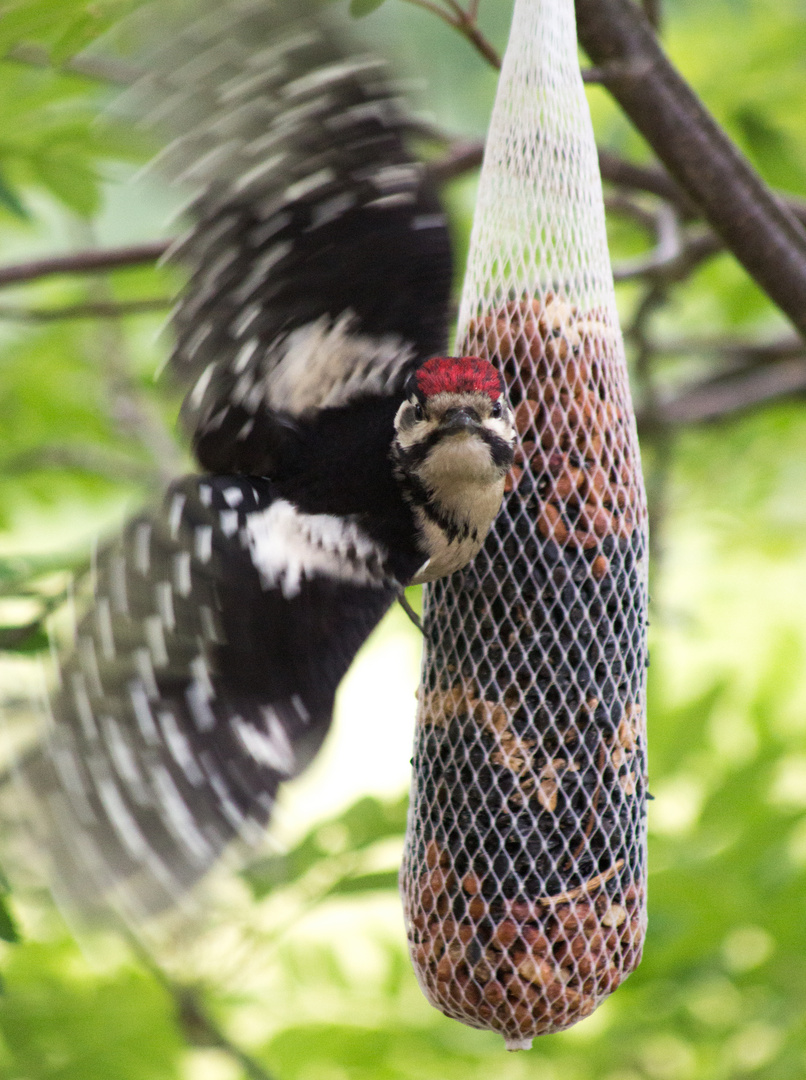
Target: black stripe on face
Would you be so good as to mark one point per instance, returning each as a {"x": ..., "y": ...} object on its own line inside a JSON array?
[
  {"x": 412, "y": 456},
  {"x": 501, "y": 452}
]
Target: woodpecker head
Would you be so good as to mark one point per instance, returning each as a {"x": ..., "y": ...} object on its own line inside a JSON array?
[{"x": 454, "y": 442}]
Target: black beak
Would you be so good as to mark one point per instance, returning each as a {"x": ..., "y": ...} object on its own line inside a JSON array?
[{"x": 459, "y": 420}]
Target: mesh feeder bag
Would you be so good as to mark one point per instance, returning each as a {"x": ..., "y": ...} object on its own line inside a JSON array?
[{"x": 524, "y": 875}]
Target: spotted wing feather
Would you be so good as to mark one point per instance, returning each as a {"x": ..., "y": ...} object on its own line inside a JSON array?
[
  {"x": 202, "y": 677},
  {"x": 319, "y": 253}
]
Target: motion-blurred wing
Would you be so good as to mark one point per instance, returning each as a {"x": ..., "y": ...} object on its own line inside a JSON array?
[
  {"x": 319, "y": 251},
  {"x": 202, "y": 677}
]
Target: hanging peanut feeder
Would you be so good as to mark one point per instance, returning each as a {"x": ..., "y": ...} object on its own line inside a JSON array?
[{"x": 524, "y": 875}]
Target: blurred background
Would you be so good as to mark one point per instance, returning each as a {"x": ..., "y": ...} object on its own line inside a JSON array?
[{"x": 298, "y": 968}]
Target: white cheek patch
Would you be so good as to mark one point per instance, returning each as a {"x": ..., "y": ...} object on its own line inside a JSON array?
[
  {"x": 502, "y": 426},
  {"x": 289, "y": 547},
  {"x": 418, "y": 432}
]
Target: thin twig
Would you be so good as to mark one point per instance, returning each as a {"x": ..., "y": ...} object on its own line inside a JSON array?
[
  {"x": 462, "y": 157},
  {"x": 94, "y": 261},
  {"x": 98, "y": 460},
  {"x": 469, "y": 28},
  {"x": 89, "y": 310},
  {"x": 655, "y": 180},
  {"x": 650, "y": 178},
  {"x": 435, "y": 9},
  {"x": 671, "y": 265},
  {"x": 195, "y": 1023},
  {"x": 458, "y": 11},
  {"x": 128, "y": 408},
  {"x": 618, "y": 202},
  {"x": 665, "y": 254},
  {"x": 465, "y": 23},
  {"x": 714, "y": 399},
  {"x": 741, "y": 353}
]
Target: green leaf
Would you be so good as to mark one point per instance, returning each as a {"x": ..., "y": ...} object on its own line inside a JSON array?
[
  {"x": 11, "y": 200},
  {"x": 360, "y": 8},
  {"x": 76, "y": 35},
  {"x": 362, "y": 824},
  {"x": 17, "y": 572},
  {"x": 768, "y": 144},
  {"x": 26, "y": 639},
  {"x": 72, "y": 179},
  {"x": 356, "y": 883},
  {"x": 8, "y": 927},
  {"x": 62, "y": 1020}
]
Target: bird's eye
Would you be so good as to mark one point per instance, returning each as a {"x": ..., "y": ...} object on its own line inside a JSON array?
[
  {"x": 418, "y": 411},
  {"x": 497, "y": 410}
]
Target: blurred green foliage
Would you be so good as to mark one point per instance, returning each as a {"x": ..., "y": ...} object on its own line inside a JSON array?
[{"x": 319, "y": 987}]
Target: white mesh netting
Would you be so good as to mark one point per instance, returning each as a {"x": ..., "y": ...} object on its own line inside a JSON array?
[{"x": 524, "y": 875}]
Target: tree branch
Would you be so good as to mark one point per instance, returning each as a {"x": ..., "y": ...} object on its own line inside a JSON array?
[
  {"x": 195, "y": 1023},
  {"x": 200, "y": 1029},
  {"x": 99, "y": 460},
  {"x": 670, "y": 263},
  {"x": 619, "y": 203},
  {"x": 90, "y": 310},
  {"x": 666, "y": 253},
  {"x": 93, "y": 261},
  {"x": 739, "y": 353},
  {"x": 462, "y": 157},
  {"x": 650, "y": 178},
  {"x": 652, "y": 10},
  {"x": 763, "y": 234},
  {"x": 466, "y": 22},
  {"x": 469, "y": 28},
  {"x": 714, "y": 399}
]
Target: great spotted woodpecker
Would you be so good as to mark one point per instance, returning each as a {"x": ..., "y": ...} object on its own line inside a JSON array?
[{"x": 343, "y": 459}]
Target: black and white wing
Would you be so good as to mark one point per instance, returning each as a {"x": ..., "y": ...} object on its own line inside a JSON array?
[
  {"x": 204, "y": 672},
  {"x": 319, "y": 251},
  {"x": 202, "y": 676}
]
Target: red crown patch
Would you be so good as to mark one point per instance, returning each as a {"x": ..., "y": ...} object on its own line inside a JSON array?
[{"x": 458, "y": 374}]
